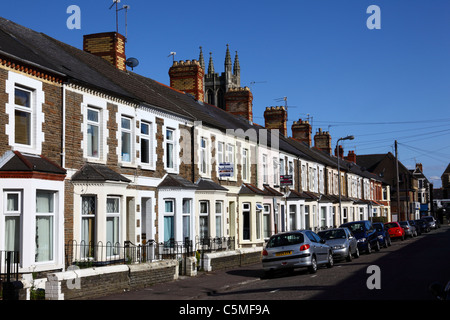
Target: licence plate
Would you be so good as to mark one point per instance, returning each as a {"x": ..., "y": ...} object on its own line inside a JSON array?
[{"x": 284, "y": 253}]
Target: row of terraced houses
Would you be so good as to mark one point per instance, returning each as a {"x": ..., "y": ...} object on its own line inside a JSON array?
[{"x": 92, "y": 152}]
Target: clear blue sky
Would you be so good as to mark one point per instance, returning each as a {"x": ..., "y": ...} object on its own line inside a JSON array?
[{"x": 378, "y": 85}]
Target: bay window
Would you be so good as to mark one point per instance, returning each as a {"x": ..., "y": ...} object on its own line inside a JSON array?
[
  {"x": 13, "y": 217},
  {"x": 112, "y": 225}
]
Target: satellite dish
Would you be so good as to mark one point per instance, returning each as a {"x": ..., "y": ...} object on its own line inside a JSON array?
[{"x": 132, "y": 62}]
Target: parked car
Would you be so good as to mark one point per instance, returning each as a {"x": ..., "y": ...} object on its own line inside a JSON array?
[
  {"x": 383, "y": 234},
  {"x": 395, "y": 230},
  {"x": 432, "y": 223},
  {"x": 410, "y": 231},
  {"x": 342, "y": 242},
  {"x": 423, "y": 225},
  {"x": 365, "y": 234},
  {"x": 416, "y": 226},
  {"x": 296, "y": 249}
]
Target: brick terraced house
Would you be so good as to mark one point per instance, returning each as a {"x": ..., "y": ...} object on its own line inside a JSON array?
[{"x": 94, "y": 153}]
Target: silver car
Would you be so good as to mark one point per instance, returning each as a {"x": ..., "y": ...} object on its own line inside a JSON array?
[
  {"x": 342, "y": 242},
  {"x": 296, "y": 249}
]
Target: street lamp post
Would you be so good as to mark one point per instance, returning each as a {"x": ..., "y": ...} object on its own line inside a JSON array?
[{"x": 339, "y": 172}]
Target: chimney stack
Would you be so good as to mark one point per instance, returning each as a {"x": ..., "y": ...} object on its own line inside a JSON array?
[
  {"x": 276, "y": 118},
  {"x": 301, "y": 131},
  {"x": 239, "y": 101},
  {"x": 419, "y": 166},
  {"x": 322, "y": 141},
  {"x": 109, "y": 45},
  {"x": 351, "y": 156},
  {"x": 188, "y": 76},
  {"x": 339, "y": 152}
]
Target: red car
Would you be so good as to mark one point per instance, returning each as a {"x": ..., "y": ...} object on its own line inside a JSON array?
[{"x": 395, "y": 230}]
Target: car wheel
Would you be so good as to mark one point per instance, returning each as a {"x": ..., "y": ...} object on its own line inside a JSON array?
[
  {"x": 313, "y": 267},
  {"x": 356, "y": 253},
  {"x": 377, "y": 247},
  {"x": 349, "y": 256},
  {"x": 330, "y": 263}
]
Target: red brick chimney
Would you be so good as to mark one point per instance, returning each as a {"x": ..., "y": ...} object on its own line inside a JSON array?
[
  {"x": 351, "y": 156},
  {"x": 301, "y": 131},
  {"x": 276, "y": 118},
  {"x": 109, "y": 45},
  {"x": 188, "y": 76},
  {"x": 239, "y": 101},
  {"x": 322, "y": 140},
  {"x": 339, "y": 153}
]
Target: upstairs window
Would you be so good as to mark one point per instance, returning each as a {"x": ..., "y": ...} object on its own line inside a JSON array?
[
  {"x": 203, "y": 159},
  {"x": 93, "y": 133},
  {"x": 23, "y": 113},
  {"x": 126, "y": 139},
  {"x": 244, "y": 164},
  {"x": 146, "y": 149},
  {"x": 170, "y": 143}
]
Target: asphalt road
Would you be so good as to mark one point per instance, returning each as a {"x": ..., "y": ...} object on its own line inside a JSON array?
[{"x": 405, "y": 270}]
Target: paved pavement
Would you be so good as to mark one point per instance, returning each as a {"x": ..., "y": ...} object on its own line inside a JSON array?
[{"x": 194, "y": 288}]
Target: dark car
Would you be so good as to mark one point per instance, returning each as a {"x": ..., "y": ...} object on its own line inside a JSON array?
[
  {"x": 432, "y": 223},
  {"x": 383, "y": 234},
  {"x": 365, "y": 233},
  {"x": 423, "y": 225},
  {"x": 416, "y": 225}
]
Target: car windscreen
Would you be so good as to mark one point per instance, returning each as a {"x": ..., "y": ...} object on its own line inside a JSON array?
[
  {"x": 332, "y": 234},
  {"x": 285, "y": 240},
  {"x": 355, "y": 227},
  {"x": 403, "y": 223},
  {"x": 378, "y": 226},
  {"x": 391, "y": 225}
]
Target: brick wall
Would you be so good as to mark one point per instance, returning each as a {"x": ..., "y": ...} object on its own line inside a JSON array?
[{"x": 83, "y": 284}]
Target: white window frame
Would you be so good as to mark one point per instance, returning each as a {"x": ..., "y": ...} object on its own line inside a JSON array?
[
  {"x": 13, "y": 214},
  {"x": 99, "y": 132},
  {"x": 52, "y": 214},
  {"x": 187, "y": 214},
  {"x": 115, "y": 215},
  {"x": 169, "y": 142},
  {"x": 28, "y": 110},
  {"x": 37, "y": 99},
  {"x": 245, "y": 167},
  {"x": 230, "y": 157},
  {"x": 203, "y": 156},
  {"x": 265, "y": 172},
  {"x": 169, "y": 214},
  {"x": 129, "y": 132},
  {"x": 246, "y": 209},
  {"x": 204, "y": 215},
  {"x": 219, "y": 219},
  {"x": 146, "y": 137}
]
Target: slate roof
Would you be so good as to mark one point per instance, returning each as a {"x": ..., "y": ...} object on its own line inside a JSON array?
[
  {"x": 250, "y": 189},
  {"x": 175, "y": 181},
  {"x": 208, "y": 184},
  {"x": 20, "y": 162},
  {"x": 98, "y": 173}
]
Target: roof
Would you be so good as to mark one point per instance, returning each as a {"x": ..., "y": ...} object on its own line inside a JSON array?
[
  {"x": 250, "y": 189},
  {"x": 15, "y": 161},
  {"x": 99, "y": 173},
  {"x": 175, "y": 181},
  {"x": 208, "y": 184},
  {"x": 271, "y": 191},
  {"x": 305, "y": 195}
]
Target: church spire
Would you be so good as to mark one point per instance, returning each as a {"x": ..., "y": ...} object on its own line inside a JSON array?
[
  {"x": 236, "y": 67},
  {"x": 201, "y": 60},
  {"x": 211, "y": 64},
  {"x": 228, "y": 64}
]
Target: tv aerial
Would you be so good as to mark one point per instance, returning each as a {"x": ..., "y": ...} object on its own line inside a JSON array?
[{"x": 124, "y": 7}]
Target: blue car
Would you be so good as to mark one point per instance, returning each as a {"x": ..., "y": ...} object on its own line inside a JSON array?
[
  {"x": 366, "y": 235},
  {"x": 383, "y": 234}
]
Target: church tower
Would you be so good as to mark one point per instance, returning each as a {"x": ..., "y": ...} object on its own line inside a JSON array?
[{"x": 216, "y": 86}]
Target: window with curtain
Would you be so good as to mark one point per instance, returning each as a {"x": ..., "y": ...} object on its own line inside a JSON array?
[
  {"x": 187, "y": 219},
  {"x": 204, "y": 219},
  {"x": 13, "y": 216},
  {"x": 23, "y": 114},
  {"x": 93, "y": 133},
  {"x": 170, "y": 143},
  {"x": 88, "y": 217},
  {"x": 219, "y": 211},
  {"x": 126, "y": 139},
  {"x": 169, "y": 220},
  {"x": 112, "y": 225},
  {"x": 45, "y": 215}
]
